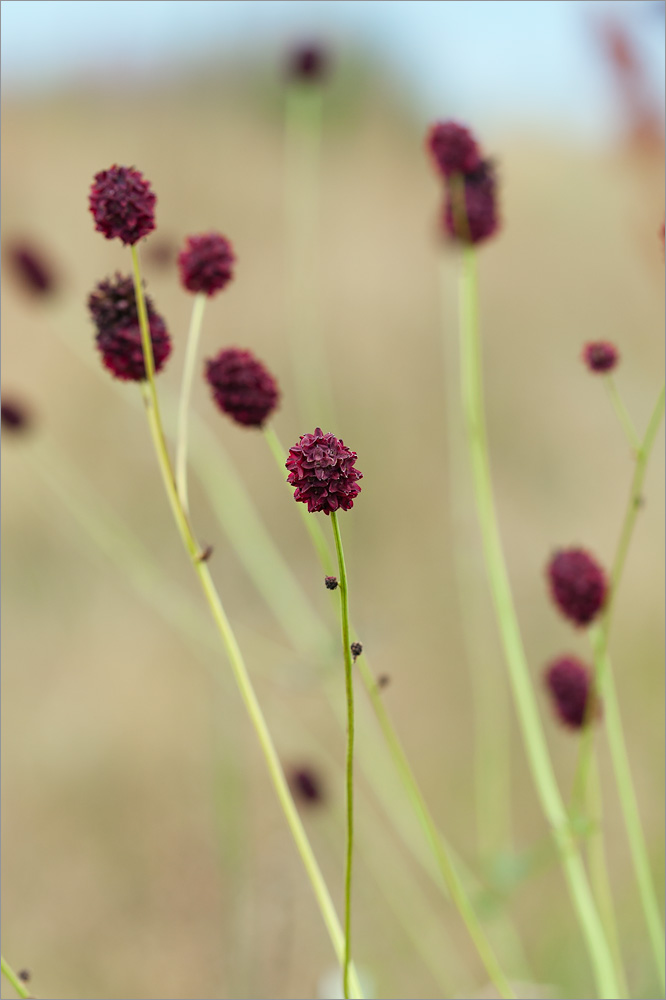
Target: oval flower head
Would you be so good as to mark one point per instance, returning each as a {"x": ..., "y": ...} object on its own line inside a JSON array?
[
  {"x": 206, "y": 263},
  {"x": 122, "y": 204},
  {"x": 578, "y": 585},
  {"x": 323, "y": 473}
]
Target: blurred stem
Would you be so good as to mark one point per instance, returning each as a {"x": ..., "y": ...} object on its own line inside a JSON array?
[
  {"x": 604, "y": 684},
  {"x": 303, "y": 139},
  {"x": 349, "y": 692},
  {"x": 186, "y": 394},
  {"x": 524, "y": 698},
  {"x": 492, "y": 723},
  {"x": 11, "y": 977},
  {"x": 229, "y": 640},
  {"x": 437, "y": 843},
  {"x": 622, "y": 414}
]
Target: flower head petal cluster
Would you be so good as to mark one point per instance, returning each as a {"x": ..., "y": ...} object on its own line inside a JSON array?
[
  {"x": 578, "y": 585},
  {"x": 206, "y": 263},
  {"x": 114, "y": 312},
  {"x": 568, "y": 681},
  {"x": 323, "y": 471},
  {"x": 242, "y": 386},
  {"x": 453, "y": 148},
  {"x": 122, "y": 203},
  {"x": 477, "y": 219},
  {"x": 601, "y": 356}
]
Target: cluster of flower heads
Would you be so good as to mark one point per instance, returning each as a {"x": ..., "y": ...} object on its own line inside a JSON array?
[
  {"x": 323, "y": 472},
  {"x": 242, "y": 387},
  {"x": 470, "y": 212},
  {"x": 113, "y": 309},
  {"x": 579, "y": 588}
]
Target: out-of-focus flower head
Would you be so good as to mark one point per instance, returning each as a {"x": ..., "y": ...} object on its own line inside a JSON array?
[
  {"x": 242, "y": 387},
  {"x": 206, "y": 263},
  {"x": 578, "y": 585}
]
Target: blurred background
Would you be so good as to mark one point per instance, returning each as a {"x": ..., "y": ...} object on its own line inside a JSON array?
[{"x": 143, "y": 851}]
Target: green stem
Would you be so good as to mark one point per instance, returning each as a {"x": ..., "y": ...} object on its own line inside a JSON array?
[
  {"x": 186, "y": 394},
  {"x": 11, "y": 977},
  {"x": 229, "y": 640},
  {"x": 349, "y": 691},
  {"x": 524, "y": 698},
  {"x": 622, "y": 414}
]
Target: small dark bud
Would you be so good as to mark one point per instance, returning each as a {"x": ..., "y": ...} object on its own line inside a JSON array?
[
  {"x": 308, "y": 64},
  {"x": 383, "y": 681},
  {"x": 205, "y": 554},
  {"x": 24, "y": 975},
  {"x": 356, "y": 649},
  {"x": 31, "y": 269},
  {"x": 14, "y": 416},
  {"x": 331, "y": 582},
  {"x": 307, "y": 785}
]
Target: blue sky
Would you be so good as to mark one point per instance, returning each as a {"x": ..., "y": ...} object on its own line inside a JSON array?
[{"x": 523, "y": 61}]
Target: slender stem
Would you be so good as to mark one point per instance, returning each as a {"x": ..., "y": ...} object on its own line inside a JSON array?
[
  {"x": 349, "y": 691},
  {"x": 11, "y": 977},
  {"x": 525, "y": 701},
  {"x": 233, "y": 650},
  {"x": 186, "y": 393},
  {"x": 622, "y": 413},
  {"x": 439, "y": 847}
]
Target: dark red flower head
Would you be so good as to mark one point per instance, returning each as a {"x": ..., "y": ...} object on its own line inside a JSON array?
[
  {"x": 206, "y": 263},
  {"x": 242, "y": 387},
  {"x": 568, "y": 681},
  {"x": 453, "y": 148},
  {"x": 578, "y": 585},
  {"x": 478, "y": 218},
  {"x": 308, "y": 63},
  {"x": 15, "y": 416},
  {"x": 601, "y": 356},
  {"x": 322, "y": 470},
  {"x": 31, "y": 268},
  {"x": 307, "y": 785},
  {"x": 113, "y": 308},
  {"x": 122, "y": 204}
]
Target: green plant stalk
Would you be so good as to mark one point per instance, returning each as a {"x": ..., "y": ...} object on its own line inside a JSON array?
[
  {"x": 193, "y": 336},
  {"x": 441, "y": 852},
  {"x": 492, "y": 722},
  {"x": 11, "y": 977},
  {"x": 622, "y": 414},
  {"x": 524, "y": 698},
  {"x": 303, "y": 138},
  {"x": 233, "y": 650},
  {"x": 599, "y": 877},
  {"x": 349, "y": 692}
]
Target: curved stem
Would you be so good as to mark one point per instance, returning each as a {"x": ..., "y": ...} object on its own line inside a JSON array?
[
  {"x": 524, "y": 698},
  {"x": 349, "y": 691},
  {"x": 233, "y": 650},
  {"x": 186, "y": 393},
  {"x": 12, "y": 978},
  {"x": 622, "y": 413}
]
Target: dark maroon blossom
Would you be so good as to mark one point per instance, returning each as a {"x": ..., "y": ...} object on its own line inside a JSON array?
[
  {"x": 478, "y": 218},
  {"x": 322, "y": 470},
  {"x": 114, "y": 311},
  {"x": 307, "y": 785},
  {"x": 601, "y": 356},
  {"x": 453, "y": 148},
  {"x": 31, "y": 268},
  {"x": 308, "y": 63},
  {"x": 331, "y": 582},
  {"x": 15, "y": 416},
  {"x": 578, "y": 585},
  {"x": 206, "y": 263},
  {"x": 242, "y": 387},
  {"x": 122, "y": 204},
  {"x": 568, "y": 681}
]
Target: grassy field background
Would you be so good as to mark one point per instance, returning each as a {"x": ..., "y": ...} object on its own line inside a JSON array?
[{"x": 144, "y": 854}]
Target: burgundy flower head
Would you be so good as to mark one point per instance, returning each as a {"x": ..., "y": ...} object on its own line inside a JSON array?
[
  {"x": 601, "y": 356},
  {"x": 15, "y": 417},
  {"x": 31, "y": 269},
  {"x": 206, "y": 263},
  {"x": 453, "y": 148},
  {"x": 114, "y": 311},
  {"x": 568, "y": 681},
  {"x": 322, "y": 470},
  {"x": 308, "y": 63},
  {"x": 122, "y": 204},
  {"x": 242, "y": 387},
  {"x": 307, "y": 785},
  {"x": 578, "y": 585},
  {"x": 478, "y": 219}
]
